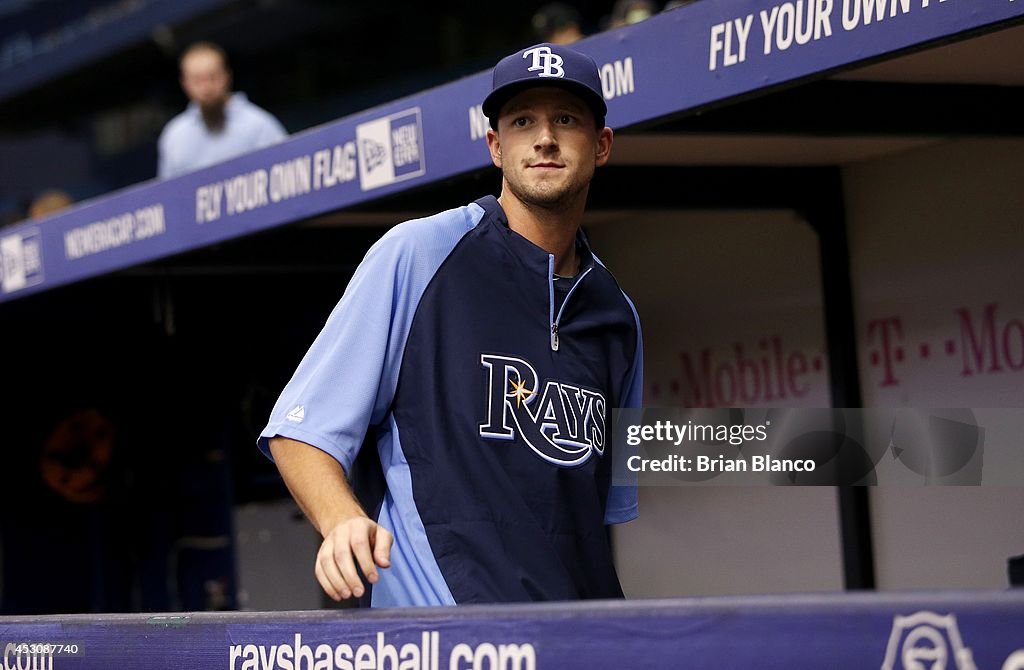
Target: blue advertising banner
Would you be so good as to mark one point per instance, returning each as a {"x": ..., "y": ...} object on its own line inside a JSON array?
[
  {"x": 683, "y": 59},
  {"x": 961, "y": 631}
]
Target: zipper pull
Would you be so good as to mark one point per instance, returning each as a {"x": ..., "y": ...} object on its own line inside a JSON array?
[{"x": 554, "y": 337}]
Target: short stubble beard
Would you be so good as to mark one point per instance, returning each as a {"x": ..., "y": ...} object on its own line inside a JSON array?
[{"x": 551, "y": 197}]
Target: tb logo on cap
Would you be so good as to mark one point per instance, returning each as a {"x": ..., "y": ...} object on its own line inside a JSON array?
[{"x": 548, "y": 63}]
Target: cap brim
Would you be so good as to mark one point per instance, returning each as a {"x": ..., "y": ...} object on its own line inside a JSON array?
[{"x": 499, "y": 96}]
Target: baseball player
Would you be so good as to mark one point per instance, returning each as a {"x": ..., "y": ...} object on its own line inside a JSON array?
[{"x": 485, "y": 346}]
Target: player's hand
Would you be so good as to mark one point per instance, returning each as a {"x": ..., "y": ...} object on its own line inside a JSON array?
[{"x": 358, "y": 540}]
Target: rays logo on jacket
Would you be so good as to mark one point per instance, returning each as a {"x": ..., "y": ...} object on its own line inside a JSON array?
[{"x": 562, "y": 423}]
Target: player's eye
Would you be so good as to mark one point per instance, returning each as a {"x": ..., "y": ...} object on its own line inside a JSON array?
[
  {"x": 519, "y": 122},
  {"x": 566, "y": 119}
]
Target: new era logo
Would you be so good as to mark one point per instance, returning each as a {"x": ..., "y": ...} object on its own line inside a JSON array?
[
  {"x": 21, "y": 261},
  {"x": 374, "y": 153},
  {"x": 549, "y": 64},
  {"x": 297, "y": 414},
  {"x": 390, "y": 149}
]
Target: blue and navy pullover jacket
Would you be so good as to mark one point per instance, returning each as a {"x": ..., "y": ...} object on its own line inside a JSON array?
[{"x": 490, "y": 405}]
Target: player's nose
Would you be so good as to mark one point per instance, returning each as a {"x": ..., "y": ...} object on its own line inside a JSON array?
[{"x": 546, "y": 137}]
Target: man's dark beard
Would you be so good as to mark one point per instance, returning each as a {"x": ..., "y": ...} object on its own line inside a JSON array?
[{"x": 213, "y": 116}]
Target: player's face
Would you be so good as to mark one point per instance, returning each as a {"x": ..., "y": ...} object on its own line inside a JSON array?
[
  {"x": 205, "y": 79},
  {"x": 547, "y": 147}
]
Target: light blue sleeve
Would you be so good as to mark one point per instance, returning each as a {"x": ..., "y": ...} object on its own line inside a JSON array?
[
  {"x": 347, "y": 379},
  {"x": 163, "y": 150},
  {"x": 623, "y": 504},
  {"x": 271, "y": 131}
]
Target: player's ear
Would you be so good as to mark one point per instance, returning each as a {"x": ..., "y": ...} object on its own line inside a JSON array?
[
  {"x": 604, "y": 146},
  {"x": 494, "y": 146}
]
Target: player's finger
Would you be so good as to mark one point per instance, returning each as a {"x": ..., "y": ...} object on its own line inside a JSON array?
[
  {"x": 327, "y": 583},
  {"x": 361, "y": 551},
  {"x": 347, "y": 567},
  {"x": 382, "y": 547},
  {"x": 334, "y": 555},
  {"x": 335, "y": 577}
]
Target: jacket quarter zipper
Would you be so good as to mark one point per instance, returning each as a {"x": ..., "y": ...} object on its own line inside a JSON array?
[{"x": 555, "y": 319}]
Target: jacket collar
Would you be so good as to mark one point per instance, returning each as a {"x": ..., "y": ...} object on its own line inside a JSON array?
[{"x": 530, "y": 252}]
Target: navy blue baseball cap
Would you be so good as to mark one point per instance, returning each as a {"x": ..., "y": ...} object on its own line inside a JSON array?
[{"x": 545, "y": 65}]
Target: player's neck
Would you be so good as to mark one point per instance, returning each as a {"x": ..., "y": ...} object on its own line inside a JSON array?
[{"x": 552, "y": 231}]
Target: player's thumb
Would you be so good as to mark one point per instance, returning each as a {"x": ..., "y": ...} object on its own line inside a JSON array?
[{"x": 382, "y": 547}]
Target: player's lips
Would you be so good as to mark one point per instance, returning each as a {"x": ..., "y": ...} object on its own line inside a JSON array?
[{"x": 547, "y": 165}]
